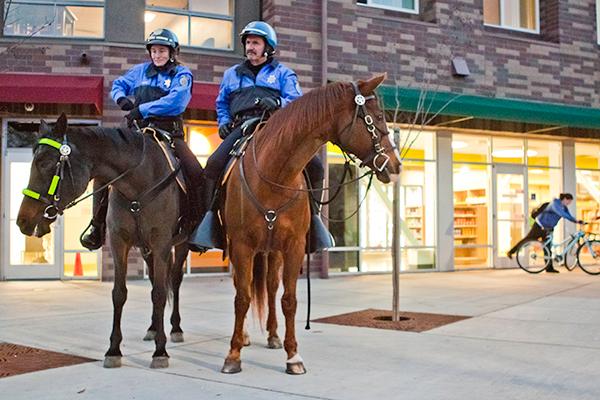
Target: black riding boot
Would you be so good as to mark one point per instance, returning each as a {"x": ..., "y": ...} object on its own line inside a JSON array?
[
  {"x": 97, "y": 227},
  {"x": 209, "y": 233},
  {"x": 319, "y": 236}
]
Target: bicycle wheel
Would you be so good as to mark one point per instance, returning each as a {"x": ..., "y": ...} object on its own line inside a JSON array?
[
  {"x": 531, "y": 257},
  {"x": 570, "y": 261},
  {"x": 588, "y": 257}
]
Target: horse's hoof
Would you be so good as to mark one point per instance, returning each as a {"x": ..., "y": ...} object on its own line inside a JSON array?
[
  {"x": 274, "y": 342},
  {"x": 295, "y": 368},
  {"x": 112, "y": 362},
  {"x": 246, "y": 339},
  {"x": 232, "y": 366},
  {"x": 159, "y": 362},
  {"x": 150, "y": 335},
  {"x": 177, "y": 337}
]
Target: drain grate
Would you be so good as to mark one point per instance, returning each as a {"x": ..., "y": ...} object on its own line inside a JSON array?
[{"x": 16, "y": 359}]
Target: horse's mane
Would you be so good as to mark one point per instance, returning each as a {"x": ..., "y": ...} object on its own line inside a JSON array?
[
  {"x": 119, "y": 137},
  {"x": 308, "y": 111}
]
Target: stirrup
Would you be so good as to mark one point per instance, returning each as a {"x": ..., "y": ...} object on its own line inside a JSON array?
[
  {"x": 320, "y": 238},
  {"x": 94, "y": 239},
  {"x": 208, "y": 234}
]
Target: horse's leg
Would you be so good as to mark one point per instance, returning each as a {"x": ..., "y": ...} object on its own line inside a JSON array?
[
  {"x": 120, "y": 250},
  {"x": 181, "y": 253},
  {"x": 242, "y": 258},
  {"x": 291, "y": 271},
  {"x": 151, "y": 331},
  {"x": 162, "y": 263},
  {"x": 275, "y": 260}
]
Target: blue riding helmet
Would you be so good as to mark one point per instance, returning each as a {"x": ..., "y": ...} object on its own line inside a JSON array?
[
  {"x": 262, "y": 29},
  {"x": 163, "y": 37}
]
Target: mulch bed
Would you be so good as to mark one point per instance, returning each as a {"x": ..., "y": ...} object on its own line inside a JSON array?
[
  {"x": 382, "y": 319},
  {"x": 16, "y": 359}
]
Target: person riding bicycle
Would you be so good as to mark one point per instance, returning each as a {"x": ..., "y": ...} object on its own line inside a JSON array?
[
  {"x": 254, "y": 88},
  {"x": 162, "y": 89},
  {"x": 545, "y": 222}
]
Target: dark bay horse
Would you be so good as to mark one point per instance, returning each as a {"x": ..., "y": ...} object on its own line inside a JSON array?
[
  {"x": 266, "y": 214},
  {"x": 65, "y": 160}
]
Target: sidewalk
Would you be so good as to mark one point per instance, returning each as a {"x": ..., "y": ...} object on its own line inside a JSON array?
[{"x": 531, "y": 337}]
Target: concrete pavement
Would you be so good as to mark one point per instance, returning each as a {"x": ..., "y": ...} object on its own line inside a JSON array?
[{"x": 531, "y": 337}]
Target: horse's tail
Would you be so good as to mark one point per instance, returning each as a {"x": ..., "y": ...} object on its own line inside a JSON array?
[{"x": 259, "y": 286}]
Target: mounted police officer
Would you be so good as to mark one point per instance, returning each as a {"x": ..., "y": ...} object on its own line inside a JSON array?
[
  {"x": 162, "y": 89},
  {"x": 254, "y": 88}
]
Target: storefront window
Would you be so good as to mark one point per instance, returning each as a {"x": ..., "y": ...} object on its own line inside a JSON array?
[
  {"x": 508, "y": 150},
  {"x": 472, "y": 200},
  {"x": 544, "y": 153},
  {"x": 470, "y": 149},
  {"x": 207, "y": 24},
  {"x": 81, "y": 18},
  {"x": 588, "y": 184},
  {"x": 203, "y": 140},
  {"x": 365, "y": 244}
]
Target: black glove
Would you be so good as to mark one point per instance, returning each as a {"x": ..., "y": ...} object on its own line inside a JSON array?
[
  {"x": 125, "y": 104},
  {"x": 269, "y": 103},
  {"x": 224, "y": 131},
  {"x": 134, "y": 115},
  {"x": 581, "y": 222}
]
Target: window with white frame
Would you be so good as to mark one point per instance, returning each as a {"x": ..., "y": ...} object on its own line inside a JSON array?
[
  {"x": 411, "y": 6},
  {"x": 598, "y": 21},
  {"x": 512, "y": 14},
  {"x": 69, "y": 18},
  {"x": 197, "y": 23}
]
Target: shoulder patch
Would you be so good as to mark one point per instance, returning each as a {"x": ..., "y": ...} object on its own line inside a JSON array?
[{"x": 183, "y": 81}]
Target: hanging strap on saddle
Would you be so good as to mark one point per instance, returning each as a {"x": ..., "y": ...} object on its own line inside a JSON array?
[
  {"x": 136, "y": 206},
  {"x": 165, "y": 142}
]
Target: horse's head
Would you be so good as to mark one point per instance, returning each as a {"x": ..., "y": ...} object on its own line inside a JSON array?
[
  {"x": 364, "y": 133},
  {"x": 58, "y": 175}
]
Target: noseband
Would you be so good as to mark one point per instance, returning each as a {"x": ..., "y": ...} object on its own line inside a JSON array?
[{"x": 378, "y": 157}]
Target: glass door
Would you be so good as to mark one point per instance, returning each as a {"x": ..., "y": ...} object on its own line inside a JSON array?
[
  {"x": 509, "y": 216},
  {"x": 25, "y": 257}
]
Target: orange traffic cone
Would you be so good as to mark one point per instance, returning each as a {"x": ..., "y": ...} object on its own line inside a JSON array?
[{"x": 78, "y": 268}]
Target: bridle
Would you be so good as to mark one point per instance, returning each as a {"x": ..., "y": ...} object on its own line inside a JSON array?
[
  {"x": 52, "y": 197},
  {"x": 378, "y": 154}
]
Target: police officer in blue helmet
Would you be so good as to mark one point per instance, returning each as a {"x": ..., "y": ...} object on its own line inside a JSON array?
[
  {"x": 161, "y": 89},
  {"x": 257, "y": 87}
]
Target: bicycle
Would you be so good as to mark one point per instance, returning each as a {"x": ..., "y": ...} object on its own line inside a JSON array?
[{"x": 580, "y": 248}]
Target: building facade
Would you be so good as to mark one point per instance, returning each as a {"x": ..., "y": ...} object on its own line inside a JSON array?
[{"x": 493, "y": 102}]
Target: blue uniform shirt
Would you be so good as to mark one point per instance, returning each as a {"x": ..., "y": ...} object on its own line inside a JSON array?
[
  {"x": 160, "y": 93},
  {"x": 553, "y": 213},
  {"x": 240, "y": 88}
]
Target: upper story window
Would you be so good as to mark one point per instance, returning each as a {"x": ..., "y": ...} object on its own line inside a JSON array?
[
  {"x": 522, "y": 15},
  {"x": 197, "y": 23},
  {"x": 69, "y": 18},
  {"x": 411, "y": 6}
]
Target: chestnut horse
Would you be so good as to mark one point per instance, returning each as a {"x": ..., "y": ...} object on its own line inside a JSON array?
[
  {"x": 266, "y": 212},
  {"x": 65, "y": 160}
]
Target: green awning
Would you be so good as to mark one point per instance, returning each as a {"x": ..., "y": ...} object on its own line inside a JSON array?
[{"x": 455, "y": 104}]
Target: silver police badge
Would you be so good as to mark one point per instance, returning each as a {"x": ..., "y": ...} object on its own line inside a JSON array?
[{"x": 167, "y": 82}]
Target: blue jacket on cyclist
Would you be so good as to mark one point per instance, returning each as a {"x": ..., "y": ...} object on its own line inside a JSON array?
[{"x": 553, "y": 213}]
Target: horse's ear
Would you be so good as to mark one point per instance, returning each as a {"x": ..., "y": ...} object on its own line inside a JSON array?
[
  {"x": 370, "y": 85},
  {"x": 44, "y": 128},
  {"x": 61, "y": 124}
]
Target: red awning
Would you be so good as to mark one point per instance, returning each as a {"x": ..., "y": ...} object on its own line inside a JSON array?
[
  {"x": 52, "y": 89},
  {"x": 204, "y": 96}
]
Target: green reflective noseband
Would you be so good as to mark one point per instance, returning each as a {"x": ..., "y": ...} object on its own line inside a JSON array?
[
  {"x": 50, "y": 142},
  {"x": 53, "y": 185},
  {"x": 31, "y": 193}
]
